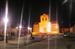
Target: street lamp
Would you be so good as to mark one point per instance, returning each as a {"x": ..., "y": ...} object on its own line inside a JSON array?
[
  {"x": 5, "y": 24},
  {"x": 20, "y": 26},
  {"x": 29, "y": 29}
]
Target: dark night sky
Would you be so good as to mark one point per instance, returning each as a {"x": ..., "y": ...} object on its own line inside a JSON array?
[{"x": 36, "y": 7}]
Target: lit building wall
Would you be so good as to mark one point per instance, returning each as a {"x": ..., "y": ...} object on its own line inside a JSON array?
[
  {"x": 54, "y": 28},
  {"x": 35, "y": 28}
]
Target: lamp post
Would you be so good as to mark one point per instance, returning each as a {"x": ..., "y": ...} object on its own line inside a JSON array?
[
  {"x": 5, "y": 29},
  {"x": 19, "y": 35},
  {"x": 5, "y": 24},
  {"x": 29, "y": 35}
]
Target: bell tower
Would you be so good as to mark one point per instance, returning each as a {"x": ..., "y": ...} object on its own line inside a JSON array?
[
  {"x": 44, "y": 18},
  {"x": 44, "y": 25}
]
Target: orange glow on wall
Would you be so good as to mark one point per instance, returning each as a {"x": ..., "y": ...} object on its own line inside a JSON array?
[
  {"x": 35, "y": 28},
  {"x": 54, "y": 28}
]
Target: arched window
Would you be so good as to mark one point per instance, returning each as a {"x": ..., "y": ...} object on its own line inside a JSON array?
[
  {"x": 45, "y": 19},
  {"x": 42, "y": 19}
]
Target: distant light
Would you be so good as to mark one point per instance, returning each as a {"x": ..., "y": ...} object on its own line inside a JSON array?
[
  {"x": 20, "y": 26},
  {"x": 29, "y": 28},
  {"x": 16, "y": 27}
]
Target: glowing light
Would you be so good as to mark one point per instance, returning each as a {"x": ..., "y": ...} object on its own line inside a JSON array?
[
  {"x": 5, "y": 20},
  {"x": 5, "y": 23},
  {"x": 16, "y": 27},
  {"x": 48, "y": 27},
  {"x": 55, "y": 32},
  {"x": 29, "y": 28},
  {"x": 20, "y": 26},
  {"x": 41, "y": 30},
  {"x": 56, "y": 26}
]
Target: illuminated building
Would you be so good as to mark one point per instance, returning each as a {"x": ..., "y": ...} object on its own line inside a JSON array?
[
  {"x": 54, "y": 27},
  {"x": 45, "y": 26}
]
